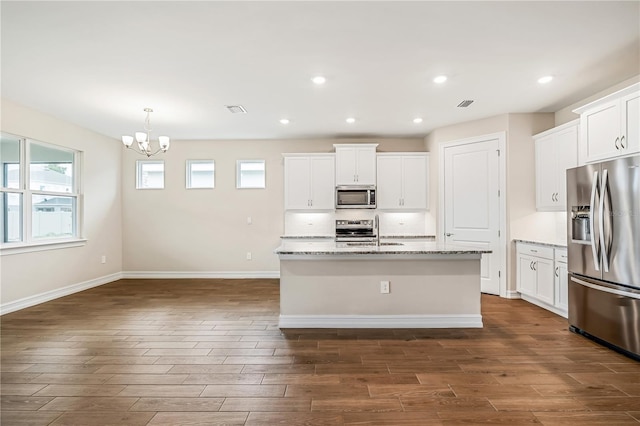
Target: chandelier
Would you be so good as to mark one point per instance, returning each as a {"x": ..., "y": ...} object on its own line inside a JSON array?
[{"x": 144, "y": 141}]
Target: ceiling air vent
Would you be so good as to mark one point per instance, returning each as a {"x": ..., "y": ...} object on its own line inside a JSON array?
[
  {"x": 236, "y": 109},
  {"x": 464, "y": 104}
]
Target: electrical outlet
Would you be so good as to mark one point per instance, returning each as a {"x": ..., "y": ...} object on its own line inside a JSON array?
[
  {"x": 103, "y": 259},
  {"x": 249, "y": 220},
  {"x": 248, "y": 255},
  {"x": 385, "y": 287}
]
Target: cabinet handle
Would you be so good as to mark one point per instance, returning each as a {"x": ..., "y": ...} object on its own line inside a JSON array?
[
  {"x": 448, "y": 234},
  {"x": 531, "y": 265},
  {"x": 621, "y": 144},
  {"x": 557, "y": 272},
  {"x": 616, "y": 142},
  {"x": 311, "y": 202},
  {"x": 535, "y": 264}
]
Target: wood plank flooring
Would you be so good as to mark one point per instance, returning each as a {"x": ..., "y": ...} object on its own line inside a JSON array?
[{"x": 208, "y": 352}]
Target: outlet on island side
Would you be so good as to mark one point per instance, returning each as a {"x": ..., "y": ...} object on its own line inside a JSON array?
[
  {"x": 384, "y": 287},
  {"x": 248, "y": 255},
  {"x": 103, "y": 259}
]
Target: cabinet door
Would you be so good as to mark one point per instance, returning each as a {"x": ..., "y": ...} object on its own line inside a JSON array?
[
  {"x": 631, "y": 123},
  {"x": 346, "y": 166},
  {"x": 566, "y": 155},
  {"x": 546, "y": 166},
  {"x": 600, "y": 130},
  {"x": 414, "y": 182},
  {"x": 389, "y": 186},
  {"x": 322, "y": 183},
  {"x": 526, "y": 282},
  {"x": 366, "y": 166},
  {"x": 562, "y": 286},
  {"x": 296, "y": 183},
  {"x": 545, "y": 290}
]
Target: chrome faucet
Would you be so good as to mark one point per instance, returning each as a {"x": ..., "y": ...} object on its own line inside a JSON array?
[{"x": 377, "y": 225}]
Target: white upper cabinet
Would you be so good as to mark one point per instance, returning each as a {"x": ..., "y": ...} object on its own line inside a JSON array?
[
  {"x": 309, "y": 182},
  {"x": 610, "y": 127},
  {"x": 356, "y": 164},
  {"x": 402, "y": 182},
  {"x": 556, "y": 151}
]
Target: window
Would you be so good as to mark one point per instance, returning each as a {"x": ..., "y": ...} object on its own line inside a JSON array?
[
  {"x": 40, "y": 192},
  {"x": 250, "y": 174},
  {"x": 200, "y": 174},
  {"x": 150, "y": 174}
]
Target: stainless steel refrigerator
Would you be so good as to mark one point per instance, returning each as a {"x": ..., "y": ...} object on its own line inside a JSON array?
[{"x": 603, "y": 226}]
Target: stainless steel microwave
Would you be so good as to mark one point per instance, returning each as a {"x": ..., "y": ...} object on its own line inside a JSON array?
[{"x": 356, "y": 197}]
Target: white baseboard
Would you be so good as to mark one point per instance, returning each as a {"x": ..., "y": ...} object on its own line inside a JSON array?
[
  {"x": 380, "y": 321},
  {"x": 216, "y": 274},
  {"x": 54, "y": 294},
  {"x": 563, "y": 313},
  {"x": 512, "y": 294}
]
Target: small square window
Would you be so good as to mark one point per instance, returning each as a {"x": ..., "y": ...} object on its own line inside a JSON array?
[
  {"x": 200, "y": 174},
  {"x": 250, "y": 174},
  {"x": 149, "y": 174}
]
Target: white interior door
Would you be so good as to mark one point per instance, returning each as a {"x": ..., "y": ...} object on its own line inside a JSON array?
[{"x": 472, "y": 203}]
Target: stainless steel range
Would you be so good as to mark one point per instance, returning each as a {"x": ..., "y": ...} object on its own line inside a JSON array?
[{"x": 361, "y": 231}]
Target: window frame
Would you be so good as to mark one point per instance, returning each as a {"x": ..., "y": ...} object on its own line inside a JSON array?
[
  {"x": 239, "y": 174},
  {"x": 188, "y": 174},
  {"x": 28, "y": 242}
]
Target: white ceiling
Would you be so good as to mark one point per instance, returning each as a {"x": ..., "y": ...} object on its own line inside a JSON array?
[{"x": 99, "y": 64}]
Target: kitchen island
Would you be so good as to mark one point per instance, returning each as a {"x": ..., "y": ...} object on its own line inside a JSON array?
[{"x": 324, "y": 284}]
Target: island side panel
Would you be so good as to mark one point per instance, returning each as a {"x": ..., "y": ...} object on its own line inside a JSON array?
[{"x": 324, "y": 291}]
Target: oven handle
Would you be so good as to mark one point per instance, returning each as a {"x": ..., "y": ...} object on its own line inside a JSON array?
[{"x": 633, "y": 295}]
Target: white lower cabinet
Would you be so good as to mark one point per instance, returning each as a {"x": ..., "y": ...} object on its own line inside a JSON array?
[
  {"x": 542, "y": 277},
  {"x": 561, "y": 280}
]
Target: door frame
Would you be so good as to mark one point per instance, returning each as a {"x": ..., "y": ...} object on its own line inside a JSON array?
[{"x": 502, "y": 161}]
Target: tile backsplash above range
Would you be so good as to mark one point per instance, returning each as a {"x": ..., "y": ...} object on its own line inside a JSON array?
[{"x": 324, "y": 223}]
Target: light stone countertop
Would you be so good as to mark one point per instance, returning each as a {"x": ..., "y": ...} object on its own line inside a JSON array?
[
  {"x": 554, "y": 244},
  {"x": 322, "y": 248}
]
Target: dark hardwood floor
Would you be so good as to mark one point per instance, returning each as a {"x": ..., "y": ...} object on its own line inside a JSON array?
[{"x": 204, "y": 352}]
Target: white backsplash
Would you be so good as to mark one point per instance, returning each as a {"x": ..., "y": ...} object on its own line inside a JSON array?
[{"x": 323, "y": 224}]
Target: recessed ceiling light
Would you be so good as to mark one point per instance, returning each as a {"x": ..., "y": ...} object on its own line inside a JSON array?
[
  {"x": 350, "y": 120},
  {"x": 417, "y": 120},
  {"x": 545, "y": 79},
  {"x": 319, "y": 80},
  {"x": 284, "y": 121},
  {"x": 440, "y": 79}
]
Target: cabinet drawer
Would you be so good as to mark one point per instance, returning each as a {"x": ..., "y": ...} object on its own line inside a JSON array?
[
  {"x": 560, "y": 255},
  {"x": 535, "y": 250}
]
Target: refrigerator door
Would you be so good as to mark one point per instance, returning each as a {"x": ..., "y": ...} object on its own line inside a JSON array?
[
  {"x": 620, "y": 206},
  {"x": 583, "y": 221},
  {"x": 607, "y": 312}
]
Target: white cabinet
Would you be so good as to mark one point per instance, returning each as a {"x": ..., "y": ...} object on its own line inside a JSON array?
[
  {"x": 402, "y": 181},
  {"x": 561, "y": 280},
  {"x": 610, "y": 127},
  {"x": 535, "y": 272},
  {"x": 556, "y": 151},
  {"x": 309, "y": 182},
  {"x": 356, "y": 164},
  {"x": 542, "y": 276}
]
